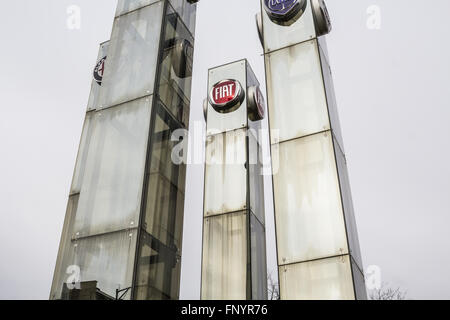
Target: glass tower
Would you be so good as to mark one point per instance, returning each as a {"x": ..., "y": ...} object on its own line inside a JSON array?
[
  {"x": 124, "y": 222},
  {"x": 317, "y": 242},
  {"x": 234, "y": 245}
]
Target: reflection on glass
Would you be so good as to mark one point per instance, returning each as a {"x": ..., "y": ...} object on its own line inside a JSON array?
[
  {"x": 176, "y": 68},
  {"x": 107, "y": 259},
  {"x": 186, "y": 11}
]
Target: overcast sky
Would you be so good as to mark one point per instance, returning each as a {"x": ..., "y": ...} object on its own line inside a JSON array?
[{"x": 392, "y": 86}]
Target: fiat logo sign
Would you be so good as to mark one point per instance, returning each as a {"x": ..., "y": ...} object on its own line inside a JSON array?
[
  {"x": 226, "y": 96},
  {"x": 285, "y": 12},
  {"x": 99, "y": 71}
]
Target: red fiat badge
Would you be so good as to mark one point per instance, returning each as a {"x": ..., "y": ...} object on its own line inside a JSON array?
[{"x": 226, "y": 96}]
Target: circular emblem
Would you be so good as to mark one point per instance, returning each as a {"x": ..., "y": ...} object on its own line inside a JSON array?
[
  {"x": 257, "y": 104},
  {"x": 99, "y": 71},
  {"x": 285, "y": 12},
  {"x": 226, "y": 96},
  {"x": 321, "y": 17}
]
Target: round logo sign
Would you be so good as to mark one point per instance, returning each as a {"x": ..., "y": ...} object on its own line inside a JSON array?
[
  {"x": 285, "y": 12},
  {"x": 226, "y": 96},
  {"x": 256, "y": 104},
  {"x": 99, "y": 71}
]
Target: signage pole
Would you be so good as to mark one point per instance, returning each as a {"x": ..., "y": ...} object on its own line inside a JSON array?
[
  {"x": 317, "y": 242},
  {"x": 234, "y": 248},
  {"x": 124, "y": 221}
]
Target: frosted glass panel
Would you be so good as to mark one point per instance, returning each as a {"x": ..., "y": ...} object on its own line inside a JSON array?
[
  {"x": 107, "y": 259},
  {"x": 111, "y": 191},
  {"x": 80, "y": 166},
  {"x": 124, "y": 6},
  {"x": 95, "y": 87},
  {"x": 308, "y": 209},
  {"x": 224, "y": 273},
  {"x": 331, "y": 97},
  {"x": 187, "y": 12},
  {"x": 276, "y": 36},
  {"x": 64, "y": 251},
  {"x": 225, "y": 173},
  {"x": 297, "y": 101},
  {"x": 132, "y": 59},
  {"x": 350, "y": 221},
  {"x": 164, "y": 212},
  {"x": 158, "y": 273},
  {"x": 327, "y": 279}
]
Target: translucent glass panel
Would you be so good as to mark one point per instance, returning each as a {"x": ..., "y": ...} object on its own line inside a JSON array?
[
  {"x": 224, "y": 270},
  {"x": 110, "y": 195},
  {"x": 308, "y": 208},
  {"x": 125, "y": 6},
  {"x": 165, "y": 195},
  {"x": 256, "y": 178},
  {"x": 158, "y": 273},
  {"x": 331, "y": 97},
  {"x": 80, "y": 166},
  {"x": 176, "y": 67},
  {"x": 164, "y": 212},
  {"x": 95, "y": 87},
  {"x": 60, "y": 276},
  {"x": 107, "y": 259},
  {"x": 350, "y": 221},
  {"x": 326, "y": 279},
  {"x": 258, "y": 259},
  {"x": 132, "y": 59},
  {"x": 187, "y": 12},
  {"x": 225, "y": 173},
  {"x": 277, "y": 37},
  {"x": 296, "y": 95},
  {"x": 221, "y": 122}
]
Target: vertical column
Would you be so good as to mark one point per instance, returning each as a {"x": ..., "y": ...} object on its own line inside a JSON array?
[
  {"x": 234, "y": 251},
  {"x": 317, "y": 243},
  {"x": 124, "y": 219}
]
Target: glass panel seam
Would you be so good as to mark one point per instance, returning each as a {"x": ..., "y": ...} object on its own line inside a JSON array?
[
  {"x": 305, "y": 136},
  {"x": 122, "y": 103},
  {"x": 181, "y": 20},
  {"x": 225, "y": 213},
  {"x": 103, "y": 234},
  {"x": 313, "y": 260},
  {"x": 289, "y": 46}
]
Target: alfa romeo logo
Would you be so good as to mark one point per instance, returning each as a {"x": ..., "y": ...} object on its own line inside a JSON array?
[
  {"x": 99, "y": 71},
  {"x": 285, "y": 12}
]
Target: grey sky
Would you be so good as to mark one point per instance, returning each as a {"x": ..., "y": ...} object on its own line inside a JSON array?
[{"x": 393, "y": 98}]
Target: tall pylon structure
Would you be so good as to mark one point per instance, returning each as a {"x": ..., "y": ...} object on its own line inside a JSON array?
[
  {"x": 317, "y": 242},
  {"x": 122, "y": 235},
  {"x": 234, "y": 237}
]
